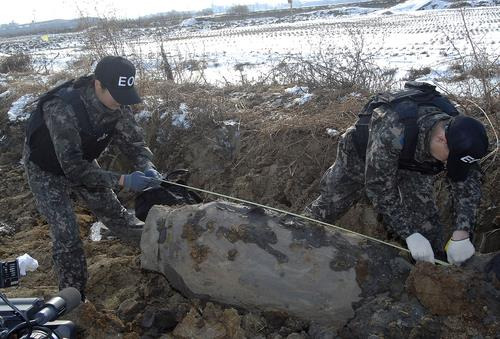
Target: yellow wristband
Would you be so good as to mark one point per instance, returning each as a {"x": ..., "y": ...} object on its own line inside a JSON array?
[{"x": 447, "y": 244}]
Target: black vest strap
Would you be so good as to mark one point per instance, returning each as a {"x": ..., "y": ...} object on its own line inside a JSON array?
[
  {"x": 72, "y": 97},
  {"x": 408, "y": 113},
  {"x": 35, "y": 120},
  {"x": 405, "y": 103},
  {"x": 94, "y": 139}
]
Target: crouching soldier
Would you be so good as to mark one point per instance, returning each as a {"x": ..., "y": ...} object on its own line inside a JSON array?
[
  {"x": 393, "y": 153},
  {"x": 69, "y": 129}
]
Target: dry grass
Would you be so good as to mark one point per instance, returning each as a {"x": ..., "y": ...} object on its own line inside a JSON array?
[
  {"x": 287, "y": 148},
  {"x": 16, "y": 63},
  {"x": 415, "y": 73}
]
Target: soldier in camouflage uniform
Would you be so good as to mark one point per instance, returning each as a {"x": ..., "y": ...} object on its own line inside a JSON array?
[
  {"x": 71, "y": 126},
  {"x": 404, "y": 195}
]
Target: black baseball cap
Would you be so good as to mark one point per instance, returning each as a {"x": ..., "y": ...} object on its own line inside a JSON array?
[
  {"x": 467, "y": 142},
  {"x": 118, "y": 75}
]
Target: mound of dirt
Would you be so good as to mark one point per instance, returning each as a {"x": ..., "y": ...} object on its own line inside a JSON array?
[{"x": 253, "y": 143}]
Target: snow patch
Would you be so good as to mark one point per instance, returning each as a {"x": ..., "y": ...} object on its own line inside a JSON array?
[
  {"x": 230, "y": 123},
  {"x": 143, "y": 115},
  {"x": 95, "y": 231},
  {"x": 188, "y": 22},
  {"x": 332, "y": 132},
  {"x": 297, "y": 90},
  {"x": 180, "y": 118},
  {"x": 5, "y": 229},
  {"x": 17, "y": 111},
  {"x": 419, "y": 5},
  {"x": 4, "y": 94},
  {"x": 303, "y": 99}
]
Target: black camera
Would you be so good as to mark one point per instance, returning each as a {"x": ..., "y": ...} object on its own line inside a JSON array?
[
  {"x": 9, "y": 273},
  {"x": 33, "y": 318}
]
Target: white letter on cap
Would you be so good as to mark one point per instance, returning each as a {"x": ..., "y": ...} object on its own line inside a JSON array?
[
  {"x": 468, "y": 159},
  {"x": 121, "y": 81},
  {"x": 130, "y": 81}
]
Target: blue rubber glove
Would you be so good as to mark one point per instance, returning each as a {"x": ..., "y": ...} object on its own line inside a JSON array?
[
  {"x": 138, "y": 182},
  {"x": 152, "y": 173}
]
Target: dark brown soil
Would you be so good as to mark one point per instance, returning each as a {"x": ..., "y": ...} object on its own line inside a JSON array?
[{"x": 275, "y": 155}]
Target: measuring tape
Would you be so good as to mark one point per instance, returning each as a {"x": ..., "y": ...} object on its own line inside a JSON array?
[{"x": 444, "y": 263}]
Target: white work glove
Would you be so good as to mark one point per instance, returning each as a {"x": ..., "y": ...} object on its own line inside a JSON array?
[
  {"x": 458, "y": 251},
  {"x": 420, "y": 248}
]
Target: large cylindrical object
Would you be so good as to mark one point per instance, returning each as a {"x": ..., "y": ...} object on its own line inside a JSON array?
[{"x": 255, "y": 259}]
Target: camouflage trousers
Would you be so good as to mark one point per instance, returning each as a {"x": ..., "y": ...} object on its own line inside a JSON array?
[
  {"x": 52, "y": 197},
  {"x": 343, "y": 185}
]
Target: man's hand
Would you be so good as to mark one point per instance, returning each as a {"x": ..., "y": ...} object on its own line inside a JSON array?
[
  {"x": 138, "y": 182},
  {"x": 420, "y": 248},
  {"x": 152, "y": 173},
  {"x": 459, "y": 248}
]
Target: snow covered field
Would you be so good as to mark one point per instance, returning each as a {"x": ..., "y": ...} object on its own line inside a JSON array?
[
  {"x": 404, "y": 41},
  {"x": 404, "y": 37}
]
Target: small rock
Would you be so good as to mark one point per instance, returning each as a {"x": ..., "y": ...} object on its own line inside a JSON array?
[
  {"x": 317, "y": 331},
  {"x": 5, "y": 229},
  {"x": 252, "y": 323},
  {"x": 295, "y": 336},
  {"x": 165, "y": 320},
  {"x": 129, "y": 309}
]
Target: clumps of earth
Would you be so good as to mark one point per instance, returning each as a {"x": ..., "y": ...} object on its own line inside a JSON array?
[{"x": 274, "y": 153}]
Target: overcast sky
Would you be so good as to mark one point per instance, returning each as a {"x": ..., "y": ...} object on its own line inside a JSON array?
[{"x": 25, "y": 11}]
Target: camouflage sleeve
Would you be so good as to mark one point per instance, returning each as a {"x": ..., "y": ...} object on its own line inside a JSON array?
[
  {"x": 62, "y": 124},
  {"x": 382, "y": 156},
  {"x": 466, "y": 196},
  {"x": 129, "y": 139}
]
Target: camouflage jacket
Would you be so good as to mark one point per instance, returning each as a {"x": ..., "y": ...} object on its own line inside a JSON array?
[
  {"x": 62, "y": 124},
  {"x": 385, "y": 143}
]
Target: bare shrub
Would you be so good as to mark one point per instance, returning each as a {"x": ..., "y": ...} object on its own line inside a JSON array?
[
  {"x": 205, "y": 105},
  {"x": 44, "y": 64},
  {"x": 16, "y": 63},
  {"x": 460, "y": 4},
  {"x": 111, "y": 36},
  {"x": 173, "y": 65},
  {"x": 487, "y": 71},
  {"x": 105, "y": 38},
  {"x": 206, "y": 12},
  {"x": 476, "y": 72},
  {"x": 165, "y": 64},
  {"x": 415, "y": 73},
  {"x": 350, "y": 69},
  {"x": 189, "y": 71},
  {"x": 457, "y": 67},
  {"x": 238, "y": 10},
  {"x": 160, "y": 20}
]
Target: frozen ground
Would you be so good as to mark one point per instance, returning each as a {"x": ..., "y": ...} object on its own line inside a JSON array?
[
  {"x": 407, "y": 40},
  {"x": 408, "y": 36}
]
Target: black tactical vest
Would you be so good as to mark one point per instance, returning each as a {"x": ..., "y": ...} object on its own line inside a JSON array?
[
  {"x": 405, "y": 103},
  {"x": 94, "y": 139}
]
